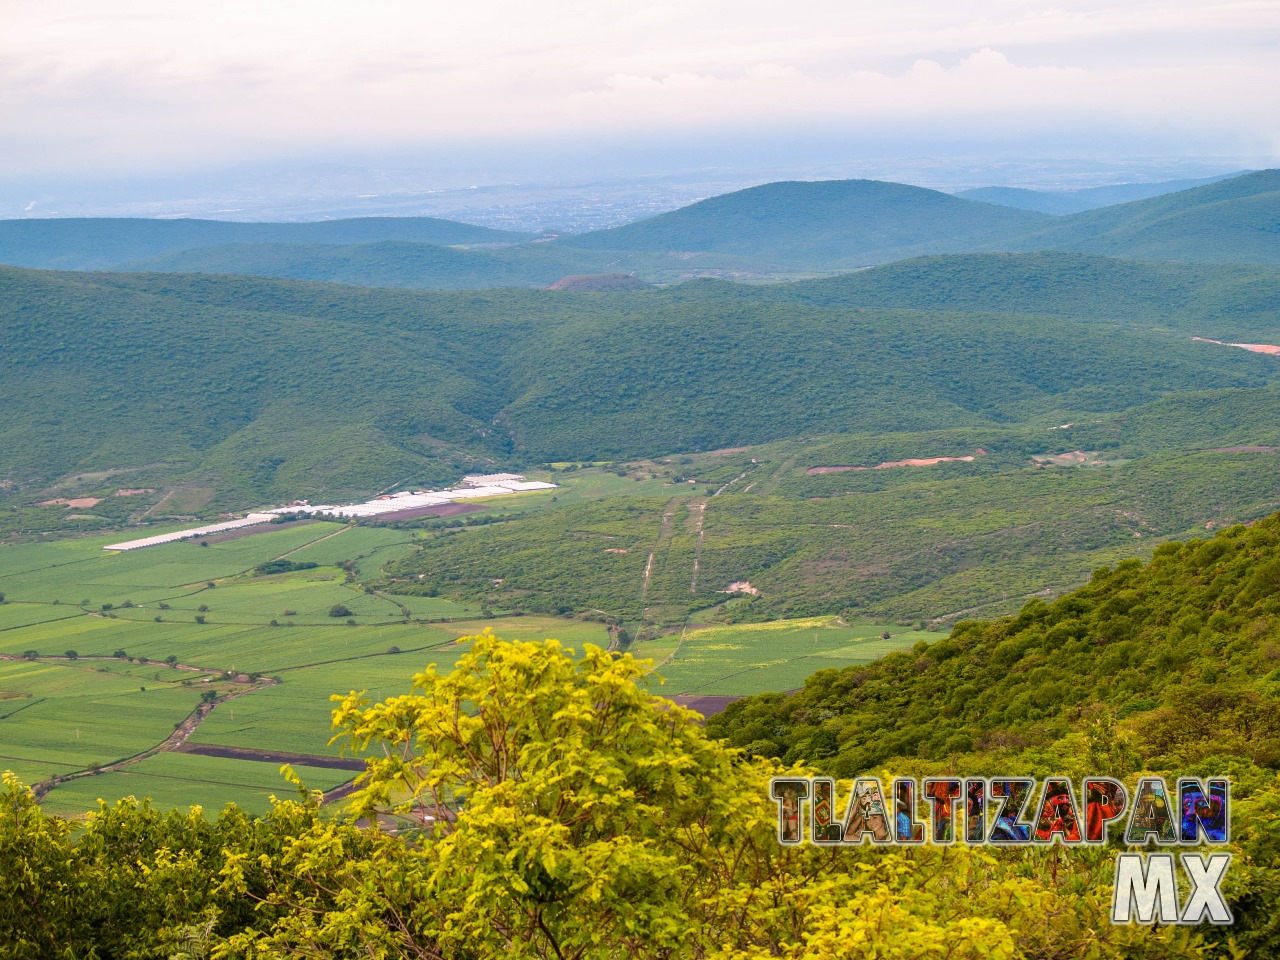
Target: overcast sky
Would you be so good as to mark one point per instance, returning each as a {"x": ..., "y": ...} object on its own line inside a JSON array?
[{"x": 141, "y": 85}]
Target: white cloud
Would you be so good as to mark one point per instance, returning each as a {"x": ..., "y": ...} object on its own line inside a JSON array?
[{"x": 83, "y": 82}]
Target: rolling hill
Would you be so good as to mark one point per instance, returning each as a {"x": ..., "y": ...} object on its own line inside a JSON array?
[
  {"x": 1217, "y": 301},
  {"x": 387, "y": 263},
  {"x": 1089, "y": 198},
  {"x": 273, "y": 388},
  {"x": 1232, "y": 221},
  {"x": 827, "y": 224},
  {"x": 110, "y": 243}
]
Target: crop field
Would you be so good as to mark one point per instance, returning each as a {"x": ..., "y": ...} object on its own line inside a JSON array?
[
  {"x": 119, "y": 695},
  {"x": 61, "y": 716},
  {"x": 180, "y": 780},
  {"x": 754, "y": 658},
  {"x": 125, "y": 644},
  {"x": 375, "y": 544}
]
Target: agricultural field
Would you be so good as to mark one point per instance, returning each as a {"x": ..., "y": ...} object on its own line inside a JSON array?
[
  {"x": 60, "y": 716},
  {"x": 762, "y": 657},
  {"x": 180, "y": 780},
  {"x": 105, "y": 654}
]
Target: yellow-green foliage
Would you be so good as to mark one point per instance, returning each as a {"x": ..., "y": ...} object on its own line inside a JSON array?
[{"x": 577, "y": 816}]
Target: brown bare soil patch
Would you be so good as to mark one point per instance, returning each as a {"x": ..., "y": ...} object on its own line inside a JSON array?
[
  {"x": 707, "y": 706},
  {"x": 914, "y": 462},
  {"x": 599, "y": 282},
  {"x": 443, "y": 510},
  {"x": 1268, "y": 348},
  {"x": 270, "y": 756},
  {"x": 1076, "y": 458},
  {"x": 75, "y": 503}
]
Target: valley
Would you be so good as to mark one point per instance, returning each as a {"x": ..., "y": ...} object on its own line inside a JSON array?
[{"x": 744, "y": 484}]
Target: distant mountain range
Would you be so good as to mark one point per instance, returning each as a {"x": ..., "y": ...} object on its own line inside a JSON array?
[
  {"x": 821, "y": 224},
  {"x": 776, "y": 231},
  {"x": 1060, "y": 202},
  {"x": 109, "y": 243}
]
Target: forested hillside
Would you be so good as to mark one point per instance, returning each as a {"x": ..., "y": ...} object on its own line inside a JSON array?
[
  {"x": 389, "y": 263},
  {"x": 1233, "y": 221},
  {"x": 1085, "y": 198},
  {"x": 270, "y": 389},
  {"x": 1217, "y": 301},
  {"x": 1182, "y": 651},
  {"x": 104, "y": 243},
  {"x": 820, "y": 223}
]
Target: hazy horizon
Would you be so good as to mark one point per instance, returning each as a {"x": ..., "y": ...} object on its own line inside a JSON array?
[{"x": 302, "y": 111}]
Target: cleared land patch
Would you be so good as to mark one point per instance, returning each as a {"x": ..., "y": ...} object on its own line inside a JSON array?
[
  {"x": 753, "y": 658},
  {"x": 890, "y": 464}
]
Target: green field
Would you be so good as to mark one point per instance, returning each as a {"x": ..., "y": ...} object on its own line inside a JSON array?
[
  {"x": 180, "y": 780},
  {"x": 760, "y": 657},
  {"x": 58, "y": 717},
  {"x": 117, "y": 697}
]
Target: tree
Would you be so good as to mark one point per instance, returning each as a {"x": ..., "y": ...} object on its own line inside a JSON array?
[
  {"x": 576, "y": 815},
  {"x": 550, "y": 807},
  {"x": 338, "y": 610}
]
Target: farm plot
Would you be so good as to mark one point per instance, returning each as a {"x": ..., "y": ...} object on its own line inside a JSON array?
[
  {"x": 377, "y": 544},
  {"x": 60, "y": 716},
  {"x": 179, "y": 780},
  {"x": 296, "y": 716},
  {"x": 572, "y": 633},
  {"x": 754, "y": 658},
  {"x": 306, "y": 596},
  {"x": 78, "y": 571},
  {"x": 25, "y": 614}
]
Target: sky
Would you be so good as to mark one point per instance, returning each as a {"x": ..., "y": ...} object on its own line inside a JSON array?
[{"x": 132, "y": 87}]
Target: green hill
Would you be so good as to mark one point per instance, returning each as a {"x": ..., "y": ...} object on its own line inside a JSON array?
[
  {"x": 1187, "y": 642},
  {"x": 1089, "y": 198},
  {"x": 275, "y": 388},
  {"x": 109, "y": 243},
  {"x": 1232, "y": 221},
  {"x": 389, "y": 263},
  {"x": 1218, "y": 301},
  {"x": 829, "y": 223}
]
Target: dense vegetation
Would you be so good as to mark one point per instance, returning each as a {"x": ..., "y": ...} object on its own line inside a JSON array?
[
  {"x": 1183, "y": 651},
  {"x": 104, "y": 243},
  {"x": 222, "y": 380},
  {"x": 1232, "y": 221},
  {"x": 828, "y": 223},
  {"x": 570, "y": 814},
  {"x": 390, "y": 263}
]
